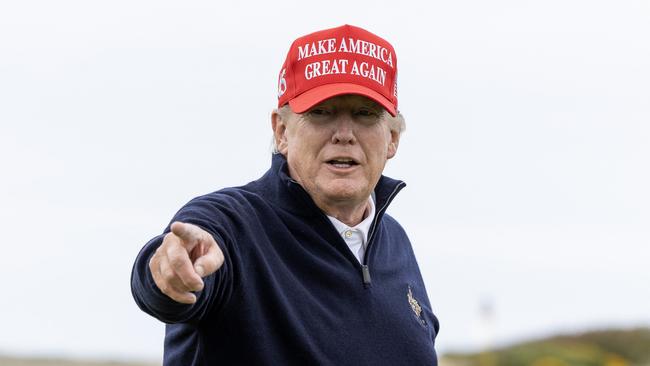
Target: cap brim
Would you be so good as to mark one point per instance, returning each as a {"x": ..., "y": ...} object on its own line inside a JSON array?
[{"x": 310, "y": 98}]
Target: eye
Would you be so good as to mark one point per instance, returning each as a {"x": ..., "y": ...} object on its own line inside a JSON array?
[
  {"x": 319, "y": 111},
  {"x": 367, "y": 113}
]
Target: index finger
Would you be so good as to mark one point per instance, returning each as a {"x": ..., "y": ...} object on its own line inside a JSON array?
[{"x": 188, "y": 233}]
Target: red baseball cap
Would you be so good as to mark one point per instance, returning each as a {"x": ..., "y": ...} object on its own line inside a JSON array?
[{"x": 336, "y": 61}]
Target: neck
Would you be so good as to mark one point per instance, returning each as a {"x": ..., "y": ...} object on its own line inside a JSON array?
[{"x": 350, "y": 215}]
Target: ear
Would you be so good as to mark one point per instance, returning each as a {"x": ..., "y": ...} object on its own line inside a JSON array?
[
  {"x": 393, "y": 143},
  {"x": 279, "y": 127}
]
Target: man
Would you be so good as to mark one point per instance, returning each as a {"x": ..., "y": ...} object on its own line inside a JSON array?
[{"x": 302, "y": 266}]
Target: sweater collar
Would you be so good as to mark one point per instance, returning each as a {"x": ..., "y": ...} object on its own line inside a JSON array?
[{"x": 290, "y": 195}]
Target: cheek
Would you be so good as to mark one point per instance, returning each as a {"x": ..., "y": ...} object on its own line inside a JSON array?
[
  {"x": 378, "y": 152},
  {"x": 302, "y": 157},
  {"x": 308, "y": 144},
  {"x": 297, "y": 150},
  {"x": 380, "y": 147}
]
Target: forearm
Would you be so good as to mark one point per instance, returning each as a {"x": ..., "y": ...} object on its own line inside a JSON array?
[{"x": 193, "y": 253}]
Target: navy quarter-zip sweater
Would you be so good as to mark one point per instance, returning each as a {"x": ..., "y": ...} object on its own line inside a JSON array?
[{"x": 290, "y": 291}]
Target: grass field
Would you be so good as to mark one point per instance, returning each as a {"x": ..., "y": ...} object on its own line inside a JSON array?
[
  {"x": 9, "y": 361},
  {"x": 4, "y": 361},
  {"x": 623, "y": 347}
]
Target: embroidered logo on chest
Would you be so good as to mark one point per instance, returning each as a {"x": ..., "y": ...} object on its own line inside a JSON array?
[{"x": 415, "y": 306}]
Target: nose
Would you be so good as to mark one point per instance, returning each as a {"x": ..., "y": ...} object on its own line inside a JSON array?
[{"x": 344, "y": 131}]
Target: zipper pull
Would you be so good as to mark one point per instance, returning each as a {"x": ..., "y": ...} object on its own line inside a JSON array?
[{"x": 366, "y": 275}]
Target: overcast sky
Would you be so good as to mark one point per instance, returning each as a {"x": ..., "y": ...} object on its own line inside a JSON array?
[{"x": 527, "y": 155}]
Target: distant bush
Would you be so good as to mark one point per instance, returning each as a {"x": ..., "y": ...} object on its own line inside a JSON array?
[{"x": 596, "y": 348}]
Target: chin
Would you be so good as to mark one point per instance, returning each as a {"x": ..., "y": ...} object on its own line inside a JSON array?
[{"x": 342, "y": 191}]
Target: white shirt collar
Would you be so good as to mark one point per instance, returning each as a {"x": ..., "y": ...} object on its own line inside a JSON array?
[{"x": 356, "y": 237}]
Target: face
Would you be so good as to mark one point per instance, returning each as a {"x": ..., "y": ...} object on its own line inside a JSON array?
[{"x": 337, "y": 150}]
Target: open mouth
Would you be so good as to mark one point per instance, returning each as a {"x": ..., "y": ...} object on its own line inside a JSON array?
[{"x": 342, "y": 162}]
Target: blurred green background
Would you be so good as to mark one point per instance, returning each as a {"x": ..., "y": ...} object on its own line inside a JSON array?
[
  {"x": 629, "y": 347},
  {"x": 597, "y": 348}
]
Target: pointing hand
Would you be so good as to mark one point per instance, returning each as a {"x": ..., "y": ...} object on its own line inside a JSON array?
[{"x": 186, "y": 254}]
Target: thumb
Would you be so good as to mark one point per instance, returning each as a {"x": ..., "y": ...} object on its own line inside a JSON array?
[{"x": 209, "y": 262}]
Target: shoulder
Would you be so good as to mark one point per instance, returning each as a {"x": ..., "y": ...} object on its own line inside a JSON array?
[
  {"x": 227, "y": 207},
  {"x": 392, "y": 225},
  {"x": 227, "y": 198},
  {"x": 224, "y": 212}
]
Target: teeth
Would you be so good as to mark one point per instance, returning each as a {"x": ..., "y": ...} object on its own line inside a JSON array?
[{"x": 342, "y": 163}]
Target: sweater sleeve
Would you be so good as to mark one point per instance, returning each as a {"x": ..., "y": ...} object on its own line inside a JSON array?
[{"x": 211, "y": 214}]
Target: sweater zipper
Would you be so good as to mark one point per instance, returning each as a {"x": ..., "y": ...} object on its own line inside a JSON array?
[{"x": 365, "y": 268}]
